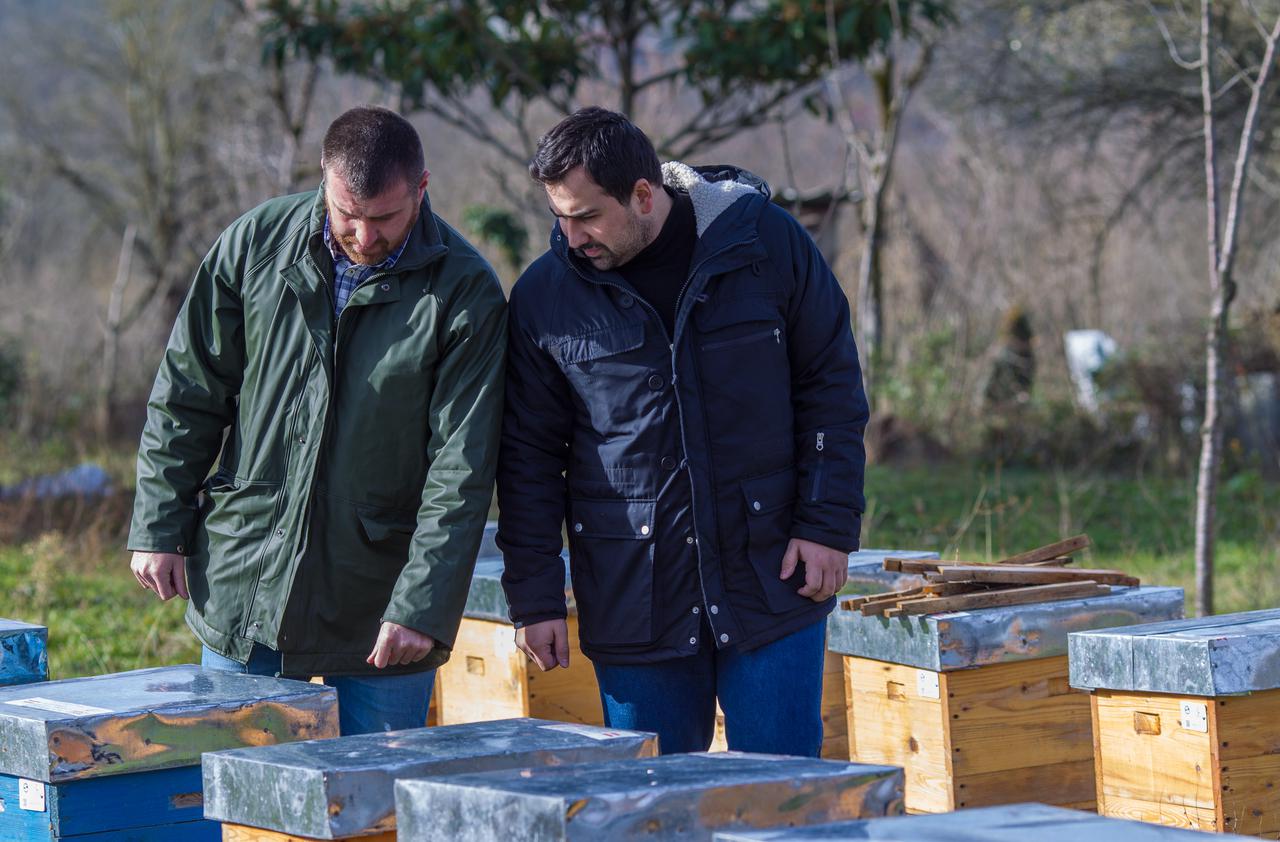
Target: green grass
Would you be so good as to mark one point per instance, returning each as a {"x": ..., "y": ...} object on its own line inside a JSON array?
[{"x": 100, "y": 620}]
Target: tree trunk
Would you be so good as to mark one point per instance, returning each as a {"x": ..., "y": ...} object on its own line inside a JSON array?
[{"x": 111, "y": 333}]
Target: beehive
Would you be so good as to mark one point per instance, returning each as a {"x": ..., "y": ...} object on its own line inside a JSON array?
[
  {"x": 24, "y": 654},
  {"x": 675, "y": 797},
  {"x": 1185, "y": 720},
  {"x": 976, "y": 705},
  {"x": 1011, "y": 823},
  {"x": 117, "y": 757},
  {"x": 344, "y": 788}
]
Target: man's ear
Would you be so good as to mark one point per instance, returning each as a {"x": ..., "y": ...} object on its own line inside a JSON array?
[
  {"x": 643, "y": 194},
  {"x": 422, "y": 184}
]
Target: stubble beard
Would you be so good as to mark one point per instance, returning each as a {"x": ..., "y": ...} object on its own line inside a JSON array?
[{"x": 640, "y": 235}]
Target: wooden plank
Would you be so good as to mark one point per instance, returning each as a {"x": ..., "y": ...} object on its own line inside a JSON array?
[
  {"x": 486, "y": 678},
  {"x": 858, "y": 601},
  {"x": 1172, "y": 768},
  {"x": 891, "y": 723},
  {"x": 1100, "y": 804},
  {"x": 1052, "y": 562},
  {"x": 571, "y": 695},
  {"x": 1048, "y": 783},
  {"x": 1013, "y": 596},
  {"x": 1173, "y": 815},
  {"x": 1022, "y": 574},
  {"x": 1058, "y": 548},
  {"x": 1020, "y": 715},
  {"x": 1248, "y": 746},
  {"x": 243, "y": 833}
]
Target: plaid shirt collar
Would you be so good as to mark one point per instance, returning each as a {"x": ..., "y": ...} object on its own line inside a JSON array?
[{"x": 347, "y": 275}]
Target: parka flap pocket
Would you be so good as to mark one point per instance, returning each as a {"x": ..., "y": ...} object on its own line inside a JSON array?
[
  {"x": 770, "y": 492},
  {"x": 602, "y": 342},
  {"x": 718, "y": 314},
  {"x": 381, "y": 524},
  {"x": 622, "y": 519}
]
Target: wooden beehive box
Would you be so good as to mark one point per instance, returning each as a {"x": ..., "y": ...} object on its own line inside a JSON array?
[
  {"x": 674, "y": 797},
  {"x": 117, "y": 757},
  {"x": 1185, "y": 720},
  {"x": 1010, "y": 823},
  {"x": 976, "y": 705},
  {"x": 24, "y": 654},
  {"x": 344, "y": 788}
]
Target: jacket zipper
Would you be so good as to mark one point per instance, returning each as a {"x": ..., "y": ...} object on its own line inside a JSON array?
[
  {"x": 776, "y": 333},
  {"x": 684, "y": 444},
  {"x": 818, "y": 445}
]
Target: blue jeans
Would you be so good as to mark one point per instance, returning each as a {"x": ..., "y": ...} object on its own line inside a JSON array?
[
  {"x": 771, "y": 696},
  {"x": 366, "y": 704}
]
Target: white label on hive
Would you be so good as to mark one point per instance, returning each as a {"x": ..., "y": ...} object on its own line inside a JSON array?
[
  {"x": 31, "y": 795},
  {"x": 927, "y": 684},
  {"x": 57, "y": 707},
  {"x": 1195, "y": 717},
  {"x": 588, "y": 731}
]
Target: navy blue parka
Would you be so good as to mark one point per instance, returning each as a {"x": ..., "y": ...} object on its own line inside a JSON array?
[{"x": 681, "y": 465}]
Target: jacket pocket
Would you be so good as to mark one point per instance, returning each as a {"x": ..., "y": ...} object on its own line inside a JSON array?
[
  {"x": 383, "y": 525},
  {"x": 600, "y": 343},
  {"x": 738, "y": 322},
  {"x": 611, "y": 563},
  {"x": 769, "y": 500}
]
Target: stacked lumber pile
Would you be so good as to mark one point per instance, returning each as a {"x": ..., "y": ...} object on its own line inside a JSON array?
[{"x": 1040, "y": 575}]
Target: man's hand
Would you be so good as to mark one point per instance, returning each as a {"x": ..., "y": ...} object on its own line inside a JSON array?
[
  {"x": 164, "y": 573},
  {"x": 826, "y": 570},
  {"x": 399, "y": 645},
  {"x": 546, "y": 642}
]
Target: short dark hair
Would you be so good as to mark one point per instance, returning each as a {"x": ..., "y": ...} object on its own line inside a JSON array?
[
  {"x": 615, "y": 153},
  {"x": 369, "y": 147}
]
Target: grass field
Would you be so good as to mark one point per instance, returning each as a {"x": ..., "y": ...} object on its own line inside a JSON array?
[{"x": 77, "y": 581}]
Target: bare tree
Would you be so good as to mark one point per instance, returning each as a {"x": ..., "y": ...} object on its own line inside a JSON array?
[{"x": 1222, "y": 234}]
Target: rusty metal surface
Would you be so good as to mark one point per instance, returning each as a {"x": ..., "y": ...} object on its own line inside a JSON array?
[
  {"x": 675, "y": 797},
  {"x": 1222, "y": 655},
  {"x": 332, "y": 789},
  {"x": 152, "y": 719},
  {"x": 963, "y": 639},
  {"x": 1011, "y": 823},
  {"x": 24, "y": 656}
]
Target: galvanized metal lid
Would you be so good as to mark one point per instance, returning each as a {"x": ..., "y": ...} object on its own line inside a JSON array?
[
  {"x": 1223, "y": 655},
  {"x": 487, "y": 601},
  {"x": 1010, "y": 823},
  {"x": 333, "y": 789},
  {"x": 677, "y": 796},
  {"x": 152, "y": 719},
  {"x": 24, "y": 655},
  {"x": 963, "y": 639}
]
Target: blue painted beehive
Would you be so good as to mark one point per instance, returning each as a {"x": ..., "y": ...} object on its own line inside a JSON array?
[
  {"x": 116, "y": 758},
  {"x": 24, "y": 656}
]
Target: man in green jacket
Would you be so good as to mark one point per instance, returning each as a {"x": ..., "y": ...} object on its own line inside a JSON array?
[{"x": 341, "y": 354}]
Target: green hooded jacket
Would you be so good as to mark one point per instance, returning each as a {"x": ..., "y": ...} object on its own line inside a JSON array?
[{"x": 357, "y": 454}]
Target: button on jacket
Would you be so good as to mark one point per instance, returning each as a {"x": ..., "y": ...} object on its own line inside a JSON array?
[
  {"x": 358, "y": 462},
  {"x": 683, "y": 464}
]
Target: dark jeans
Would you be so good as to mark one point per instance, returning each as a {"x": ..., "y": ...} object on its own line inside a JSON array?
[
  {"x": 366, "y": 704},
  {"x": 771, "y": 696}
]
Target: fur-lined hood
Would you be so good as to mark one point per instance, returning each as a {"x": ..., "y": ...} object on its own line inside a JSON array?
[{"x": 713, "y": 189}]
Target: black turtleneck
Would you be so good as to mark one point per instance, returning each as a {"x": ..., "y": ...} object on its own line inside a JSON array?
[{"x": 659, "y": 271}]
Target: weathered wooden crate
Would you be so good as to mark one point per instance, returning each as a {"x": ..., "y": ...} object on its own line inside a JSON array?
[
  {"x": 116, "y": 757},
  {"x": 1185, "y": 720},
  {"x": 487, "y": 677},
  {"x": 675, "y": 797},
  {"x": 1011, "y": 823},
  {"x": 344, "y": 788},
  {"x": 976, "y": 705},
  {"x": 24, "y": 654}
]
